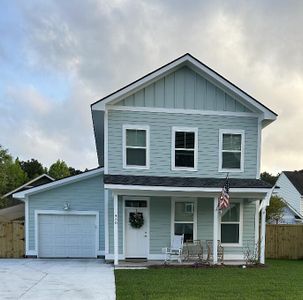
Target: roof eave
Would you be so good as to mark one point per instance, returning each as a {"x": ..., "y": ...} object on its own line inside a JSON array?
[{"x": 22, "y": 195}]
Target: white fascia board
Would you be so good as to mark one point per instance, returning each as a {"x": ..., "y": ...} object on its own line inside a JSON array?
[
  {"x": 183, "y": 189},
  {"x": 198, "y": 67},
  {"x": 51, "y": 185},
  {"x": 27, "y": 184}
]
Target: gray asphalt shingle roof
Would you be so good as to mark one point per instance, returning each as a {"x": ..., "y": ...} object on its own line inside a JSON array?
[
  {"x": 184, "y": 181},
  {"x": 296, "y": 178}
]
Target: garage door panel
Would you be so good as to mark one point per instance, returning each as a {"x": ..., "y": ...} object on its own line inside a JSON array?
[{"x": 66, "y": 235}]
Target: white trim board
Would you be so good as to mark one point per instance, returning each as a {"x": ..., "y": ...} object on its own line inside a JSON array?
[
  {"x": 183, "y": 111},
  {"x": 198, "y": 67},
  {"x": 67, "y": 213},
  {"x": 183, "y": 189},
  {"x": 64, "y": 181}
]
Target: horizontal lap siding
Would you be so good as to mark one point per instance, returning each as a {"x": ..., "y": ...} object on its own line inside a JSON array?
[
  {"x": 205, "y": 219},
  {"x": 160, "y": 142},
  {"x": 184, "y": 89},
  {"x": 160, "y": 223},
  {"x": 84, "y": 195}
]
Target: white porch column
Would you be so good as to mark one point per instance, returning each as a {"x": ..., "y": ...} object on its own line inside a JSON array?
[
  {"x": 262, "y": 238},
  {"x": 215, "y": 233},
  {"x": 116, "y": 237}
]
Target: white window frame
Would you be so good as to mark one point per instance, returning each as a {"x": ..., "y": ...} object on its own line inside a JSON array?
[
  {"x": 240, "y": 222},
  {"x": 231, "y": 131},
  {"x": 194, "y": 222},
  {"x": 173, "y": 149},
  {"x": 147, "y": 147}
]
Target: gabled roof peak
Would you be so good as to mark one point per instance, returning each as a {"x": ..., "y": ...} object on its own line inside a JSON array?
[{"x": 197, "y": 66}]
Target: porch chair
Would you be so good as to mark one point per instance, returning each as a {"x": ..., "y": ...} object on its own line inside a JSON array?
[
  {"x": 176, "y": 248},
  {"x": 220, "y": 251},
  {"x": 193, "y": 250}
]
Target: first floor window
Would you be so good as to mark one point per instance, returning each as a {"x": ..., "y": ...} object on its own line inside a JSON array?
[
  {"x": 230, "y": 224},
  {"x": 231, "y": 150},
  {"x": 184, "y": 219},
  {"x": 185, "y": 147},
  {"x": 135, "y": 147}
]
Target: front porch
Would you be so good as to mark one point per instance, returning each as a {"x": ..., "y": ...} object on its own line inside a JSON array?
[{"x": 193, "y": 213}]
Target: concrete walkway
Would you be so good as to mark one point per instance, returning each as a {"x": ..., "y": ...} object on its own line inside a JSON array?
[{"x": 56, "y": 279}]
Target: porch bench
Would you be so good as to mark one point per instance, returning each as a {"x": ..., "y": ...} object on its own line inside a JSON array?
[{"x": 193, "y": 250}]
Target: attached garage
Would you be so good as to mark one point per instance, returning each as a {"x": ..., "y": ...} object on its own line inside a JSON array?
[
  {"x": 67, "y": 235},
  {"x": 65, "y": 218}
]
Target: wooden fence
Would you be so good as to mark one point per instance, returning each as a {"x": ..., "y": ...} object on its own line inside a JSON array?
[
  {"x": 284, "y": 241},
  {"x": 12, "y": 239}
]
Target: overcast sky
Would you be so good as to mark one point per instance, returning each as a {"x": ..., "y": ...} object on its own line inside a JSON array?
[{"x": 57, "y": 57}]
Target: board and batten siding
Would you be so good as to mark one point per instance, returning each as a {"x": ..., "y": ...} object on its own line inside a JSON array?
[
  {"x": 160, "y": 142},
  {"x": 184, "y": 89},
  {"x": 84, "y": 195}
]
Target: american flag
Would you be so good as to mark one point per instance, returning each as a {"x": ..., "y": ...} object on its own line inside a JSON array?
[{"x": 224, "y": 196}]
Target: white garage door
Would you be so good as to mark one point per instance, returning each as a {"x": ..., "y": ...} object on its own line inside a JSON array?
[{"x": 66, "y": 235}]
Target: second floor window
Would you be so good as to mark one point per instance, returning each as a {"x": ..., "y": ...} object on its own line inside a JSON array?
[
  {"x": 231, "y": 150},
  {"x": 135, "y": 140},
  {"x": 184, "y": 148}
]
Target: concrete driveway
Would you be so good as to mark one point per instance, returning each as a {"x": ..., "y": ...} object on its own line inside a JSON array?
[{"x": 56, "y": 279}]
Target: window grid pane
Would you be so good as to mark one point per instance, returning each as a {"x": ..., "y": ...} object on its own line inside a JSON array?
[
  {"x": 184, "y": 140},
  {"x": 232, "y": 141},
  {"x": 230, "y": 233},
  {"x": 185, "y": 158},
  {"x": 232, "y": 214},
  {"x": 185, "y": 228},
  {"x": 180, "y": 213},
  {"x": 136, "y": 137},
  {"x": 135, "y": 157},
  {"x": 231, "y": 160}
]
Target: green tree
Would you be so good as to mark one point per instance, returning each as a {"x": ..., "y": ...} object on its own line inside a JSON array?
[
  {"x": 33, "y": 168},
  {"x": 73, "y": 171},
  {"x": 269, "y": 177},
  {"x": 11, "y": 173},
  {"x": 59, "y": 170},
  {"x": 274, "y": 212}
]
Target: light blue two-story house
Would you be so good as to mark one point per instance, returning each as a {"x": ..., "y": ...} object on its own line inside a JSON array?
[{"x": 165, "y": 144}]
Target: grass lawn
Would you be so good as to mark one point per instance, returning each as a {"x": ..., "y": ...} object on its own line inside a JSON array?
[{"x": 281, "y": 279}]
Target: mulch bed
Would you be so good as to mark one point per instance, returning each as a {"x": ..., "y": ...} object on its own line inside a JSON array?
[{"x": 204, "y": 266}]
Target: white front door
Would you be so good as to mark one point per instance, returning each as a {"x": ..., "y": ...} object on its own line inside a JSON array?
[{"x": 136, "y": 239}]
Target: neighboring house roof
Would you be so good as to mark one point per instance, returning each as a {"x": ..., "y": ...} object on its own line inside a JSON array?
[
  {"x": 184, "y": 181},
  {"x": 293, "y": 210},
  {"x": 30, "y": 184},
  {"x": 12, "y": 213},
  {"x": 296, "y": 178},
  {"x": 198, "y": 66},
  {"x": 60, "y": 182}
]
